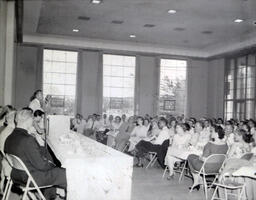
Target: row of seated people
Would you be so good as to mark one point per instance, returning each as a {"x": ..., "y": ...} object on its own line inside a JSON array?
[
  {"x": 22, "y": 134},
  {"x": 177, "y": 140},
  {"x": 173, "y": 139}
]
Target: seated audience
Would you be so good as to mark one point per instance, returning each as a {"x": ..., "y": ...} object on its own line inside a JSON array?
[
  {"x": 123, "y": 118},
  {"x": 78, "y": 124},
  {"x": 144, "y": 147},
  {"x": 154, "y": 129},
  {"x": 4, "y": 111},
  {"x": 229, "y": 134},
  {"x": 114, "y": 131},
  {"x": 124, "y": 134},
  {"x": 139, "y": 132},
  {"x": 37, "y": 130},
  {"x": 218, "y": 145},
  {"x": 239, "y": 153},
  {"x": 172, "y": 128},
  {"x": 23, "y": 145},
  {"x": 178, "y": 146}
]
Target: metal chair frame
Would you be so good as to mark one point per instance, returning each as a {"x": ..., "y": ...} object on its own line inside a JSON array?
[
  {"x": 17, "y": 163},
  {"x": 204, "y": 174},
  {"x": 153, "y": 158},
  {"x": 181, "y": 170}
]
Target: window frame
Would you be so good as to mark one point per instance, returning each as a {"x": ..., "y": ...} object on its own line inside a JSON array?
[
  {"x": 159, "y": 83},
  {"x": 235, "y": 100},
  {"x": 76, "y": 73},
  {"x": 135, "y": 76}
]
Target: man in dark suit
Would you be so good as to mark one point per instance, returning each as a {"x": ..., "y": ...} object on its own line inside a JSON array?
[{"x": 25, "y": 146}]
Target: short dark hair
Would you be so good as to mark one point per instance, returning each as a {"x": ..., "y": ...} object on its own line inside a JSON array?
[
  {"x": 185, "y": 126},
  {"x": 38, "y": 113},
  {"x": 34, "y": 95},
  {"x": 162, "y": 119},
  {"x": 220, "y": 131},
  {"x": 248, "y": 138}
]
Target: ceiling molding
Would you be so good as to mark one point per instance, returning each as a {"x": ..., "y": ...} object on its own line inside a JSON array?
[
  {"x": 98, "y": 44},
  {"x": 217, "y": 50}
]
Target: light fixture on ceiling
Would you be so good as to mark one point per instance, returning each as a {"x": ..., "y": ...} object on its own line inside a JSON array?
[
  {"x": 171, "y": 11},
  {"x": 85, "y": 18},
  {"x": 117, "y": 22},
  {"x": 75, "y": 30},
  {"x": 179, "y": 29},
  {"x": 149, "y": 25},
  {"x": 132, "y": 36},
  {"x": 96, "y": 1},
  {"x": 207, "y": 32},
  {"x": 238, "y": 20}
]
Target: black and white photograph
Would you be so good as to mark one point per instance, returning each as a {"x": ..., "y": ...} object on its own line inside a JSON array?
[{"x": 128, "y": 99}]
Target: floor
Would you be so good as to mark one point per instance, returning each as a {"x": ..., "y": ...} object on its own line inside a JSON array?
[{"x": 147, "y": 184}]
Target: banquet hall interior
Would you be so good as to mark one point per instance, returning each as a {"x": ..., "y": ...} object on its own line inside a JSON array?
[{"x": 130, "y": 99}]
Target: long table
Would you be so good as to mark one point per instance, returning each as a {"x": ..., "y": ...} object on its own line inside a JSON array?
[{"x": 94, "y": 171}]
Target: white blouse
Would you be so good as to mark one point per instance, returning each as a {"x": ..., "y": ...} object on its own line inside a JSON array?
[{"x": 35, "y": 105}]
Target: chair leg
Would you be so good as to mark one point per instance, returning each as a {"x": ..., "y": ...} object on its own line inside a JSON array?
[
  {"x": 152, "y": 160},
  {"x": 26, "y": 189},
  {"x": 125, "y": 147},
  {"x": 214, "y": 193},
  {"x": 242, "y": 193},
  {"x": 8, "y": 190},
  {"x": 165, "y": 170},
  {"x": 182, "y": 171},
  {"x": 205, "y": 187},
  {"x": 5, "y": 189}
]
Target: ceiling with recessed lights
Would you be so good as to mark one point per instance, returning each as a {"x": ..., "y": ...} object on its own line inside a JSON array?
[{"x": 196, "y": 24}]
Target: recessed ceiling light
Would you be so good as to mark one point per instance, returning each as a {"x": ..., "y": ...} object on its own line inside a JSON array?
[
  {"x": 238, "y": 20},
  {"x": 117, "y": 22},
  {"x": 207, "y": 32},
  {"x": 171, "y": 11},
  {"x": 84, "y": 18},
  {"x": 132, "y": 36},
  {"x": 96, "y": 1},
  {"x": 149, "y": 25},
  {"x": 75, "y": 30},
  {"x": 179, "y": 29}
]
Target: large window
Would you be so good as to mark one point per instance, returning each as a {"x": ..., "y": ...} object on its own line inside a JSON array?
[
  {"x": 118, "y": 84},
  {"x": 59, "y": 80},
  {"x": 172, "y": 94},
  {"x": 240, "y": 87}
]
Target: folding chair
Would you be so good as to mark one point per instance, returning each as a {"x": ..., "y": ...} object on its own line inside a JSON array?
[
  {"x": 6, "y": 176},
  {"x": 228, "y": 184},
  {"x": 231, "y": 186},
  {"x": 181, "y": 169},
  {"x": 153, "y": 158},
  {"x": 17, "y": 163},
  {"x": 214, "y": 158}
]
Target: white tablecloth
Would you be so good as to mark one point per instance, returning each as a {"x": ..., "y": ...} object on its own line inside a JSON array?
[{"x": 94, "y": 171}]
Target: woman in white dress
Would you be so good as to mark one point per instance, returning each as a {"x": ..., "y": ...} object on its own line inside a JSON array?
[
  {"x": 179, "y": 145},
  {"x": 35, "y": 101},
  {"x": 139, "y": 132},
  {"x": 172, "y": 128}
]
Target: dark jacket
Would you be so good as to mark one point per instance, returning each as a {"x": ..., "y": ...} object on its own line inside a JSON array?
[{"x": 25, "y": 146}]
